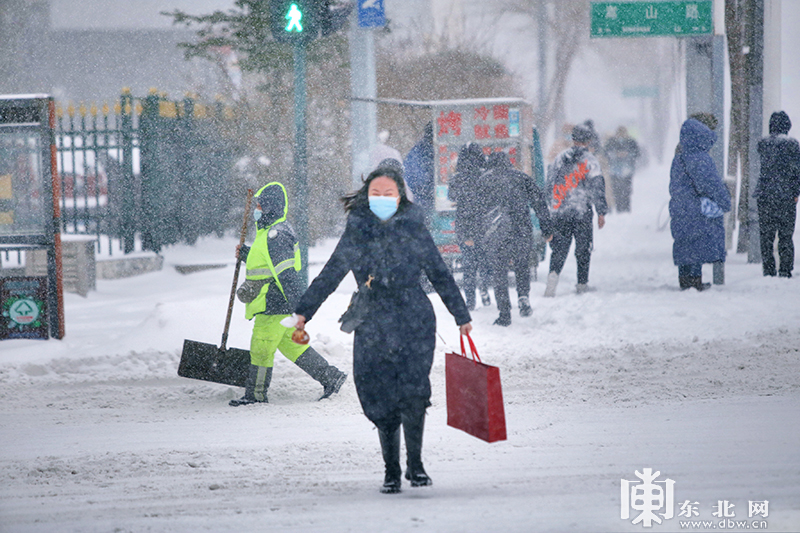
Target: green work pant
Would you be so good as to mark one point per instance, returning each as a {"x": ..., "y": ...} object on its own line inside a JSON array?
[{"x": 269, "y": 335}]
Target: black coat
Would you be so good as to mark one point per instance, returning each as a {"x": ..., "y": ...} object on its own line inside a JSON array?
[
  {"x": 510, "y": 195},
  {"x": 471, "y": 207},
  {"x": 393, "y": 349},
  {"x": 779, "y": 182}
]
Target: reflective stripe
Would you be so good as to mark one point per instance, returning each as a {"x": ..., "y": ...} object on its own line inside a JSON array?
[
  {"x": 260, "y": 390},
  {"x": 284, "y": 265},
  {"x": 252, "y": 272}
]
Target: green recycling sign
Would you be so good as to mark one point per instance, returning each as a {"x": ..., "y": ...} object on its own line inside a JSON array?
[{"x": 23, "y": 302}]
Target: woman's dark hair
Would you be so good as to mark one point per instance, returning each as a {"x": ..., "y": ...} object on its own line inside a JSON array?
[{"x": 354, "y": 199}]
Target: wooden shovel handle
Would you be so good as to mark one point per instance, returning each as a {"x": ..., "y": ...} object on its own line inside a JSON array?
[{"x": 242, "y": 236}]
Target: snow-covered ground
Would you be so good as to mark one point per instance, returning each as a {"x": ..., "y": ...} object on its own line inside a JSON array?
[{"x": 98, "y": 433}]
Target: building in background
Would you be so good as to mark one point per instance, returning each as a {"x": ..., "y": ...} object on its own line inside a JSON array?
[{"x": 90, "y": 50}]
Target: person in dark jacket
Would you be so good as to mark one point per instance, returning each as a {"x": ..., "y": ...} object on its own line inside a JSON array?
[
  {"x": 471, "y": 210},
  {"x": 270, "y": 291},
  {"x": 387, "y": 247},
  {"x": 419, "y": 171},
  {"x": 777, "y": 193},
  {"x": 698, "y": 199},
  {"x": 622, "y": 153},
  {"x": 576, "y": 184},
  {"x": 508, "y": 238}
]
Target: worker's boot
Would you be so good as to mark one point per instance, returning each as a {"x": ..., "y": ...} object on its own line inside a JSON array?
[
  {"x": 313, "y": 364},
  {"x": 255, "y": 387}
]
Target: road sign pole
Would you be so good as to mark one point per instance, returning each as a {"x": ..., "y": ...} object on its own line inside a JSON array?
[
  {"x": 363, "y": 115},
  {"x": 300, "y": 156}
]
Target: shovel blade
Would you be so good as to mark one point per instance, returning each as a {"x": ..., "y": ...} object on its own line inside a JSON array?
[{"x": 207, "y": 362}]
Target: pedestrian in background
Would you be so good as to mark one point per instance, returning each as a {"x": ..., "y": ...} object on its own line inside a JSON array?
[
  {"x": 470, "y": 221},
  {"x": 698, "y": 201},
  {"x": 777, "y": 193},
  {"x": 508, "y": 239},
  {"x": 622, "y": 152},
  {"x": 576, "y": 185},
  {"x": 387, "y": 247},
  {"x": 419, "y": 171}
]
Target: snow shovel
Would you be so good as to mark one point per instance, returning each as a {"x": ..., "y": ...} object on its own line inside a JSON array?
[{"x": 208, "y": 362}]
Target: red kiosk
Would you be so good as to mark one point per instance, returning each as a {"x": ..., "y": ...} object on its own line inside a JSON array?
[{"x": 32, "y": 307}]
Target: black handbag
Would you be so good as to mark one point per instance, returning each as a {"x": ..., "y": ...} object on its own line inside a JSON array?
[{"x": 357, "y": 311}]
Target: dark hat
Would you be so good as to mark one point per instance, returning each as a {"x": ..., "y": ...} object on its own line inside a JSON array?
[
  {"x": 393, "y": 164},
  {"x": 779, "y": 123},
  {"x": 498, "y": 160},
  {"x": 582, "y": 134}
]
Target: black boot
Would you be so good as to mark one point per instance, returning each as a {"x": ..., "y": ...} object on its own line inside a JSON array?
[
  {"x": 504, "y": 319},
  {"x": 685, "y": 282},
  {"x": 486, "y": 300},
  {"x": 413, "y": 426},
  {"x": 313, "y": 364},
  {"x": 470, "y": 300},
  {"x": 390, "y": 447},
  {"x": 697, "y": 283},
  {"x": 525, "y": 306},
  {"x": 256, "y": 386}
]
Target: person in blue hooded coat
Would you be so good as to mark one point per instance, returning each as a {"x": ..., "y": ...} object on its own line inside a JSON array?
[
  {"x": 419, "y": 171},
  {"x": 387, "y": 247},
  {"x": 698, "y": 199}
]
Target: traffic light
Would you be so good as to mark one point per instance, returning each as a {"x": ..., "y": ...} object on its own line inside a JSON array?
[{"x": 295, "y": 20}]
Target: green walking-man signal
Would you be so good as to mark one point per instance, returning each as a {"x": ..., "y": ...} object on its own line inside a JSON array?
[{"x": 294, "y": 16}]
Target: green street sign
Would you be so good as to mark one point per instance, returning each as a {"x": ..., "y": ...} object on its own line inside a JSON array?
[{"x": 652, "y": 19}]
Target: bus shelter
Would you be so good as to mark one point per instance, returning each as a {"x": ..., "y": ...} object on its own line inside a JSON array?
[{"x": 32, "y": 306}]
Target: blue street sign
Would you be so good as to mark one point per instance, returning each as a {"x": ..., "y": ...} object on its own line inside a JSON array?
[{"x": 371, "y": 14}]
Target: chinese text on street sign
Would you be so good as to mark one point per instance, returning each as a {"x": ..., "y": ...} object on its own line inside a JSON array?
[{"x": 652, "y": 19}]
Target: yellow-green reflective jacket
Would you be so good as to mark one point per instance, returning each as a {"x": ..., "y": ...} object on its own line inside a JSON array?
[{"x": 273, "y": 298}]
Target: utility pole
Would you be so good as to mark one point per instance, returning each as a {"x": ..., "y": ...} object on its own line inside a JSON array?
[
  {"x": 755, "y": 81},
  {"x": 300, "y": 155},
  {"x": 541, "y": 22},
  {"x": 363, "y": 114}
]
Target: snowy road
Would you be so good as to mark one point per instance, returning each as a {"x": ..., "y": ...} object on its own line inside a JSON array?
[
  {"x": 97, "y": 433},
  {"x": 167, "y": 455}
]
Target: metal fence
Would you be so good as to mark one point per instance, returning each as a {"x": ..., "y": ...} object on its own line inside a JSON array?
[{"x": 146, "y": 171}]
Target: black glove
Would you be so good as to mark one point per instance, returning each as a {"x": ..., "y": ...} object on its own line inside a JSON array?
[{"x": 243, "y": 251}]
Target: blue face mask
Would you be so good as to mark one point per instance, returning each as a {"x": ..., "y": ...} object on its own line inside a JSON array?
[
  {"x": 257, "y": 214},
  {"x": 384, "y": 207}
]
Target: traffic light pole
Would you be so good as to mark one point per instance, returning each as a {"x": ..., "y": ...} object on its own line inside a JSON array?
[{"x": 300, "y": 157}]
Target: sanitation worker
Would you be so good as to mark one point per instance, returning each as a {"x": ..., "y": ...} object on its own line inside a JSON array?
[{"x": 271, "y": 290}]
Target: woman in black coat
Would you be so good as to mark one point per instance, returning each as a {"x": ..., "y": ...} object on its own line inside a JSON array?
[{"x": 387, "y": 247}]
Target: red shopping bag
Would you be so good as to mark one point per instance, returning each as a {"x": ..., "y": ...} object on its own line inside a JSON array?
[{"x": 474, "y": 395}]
